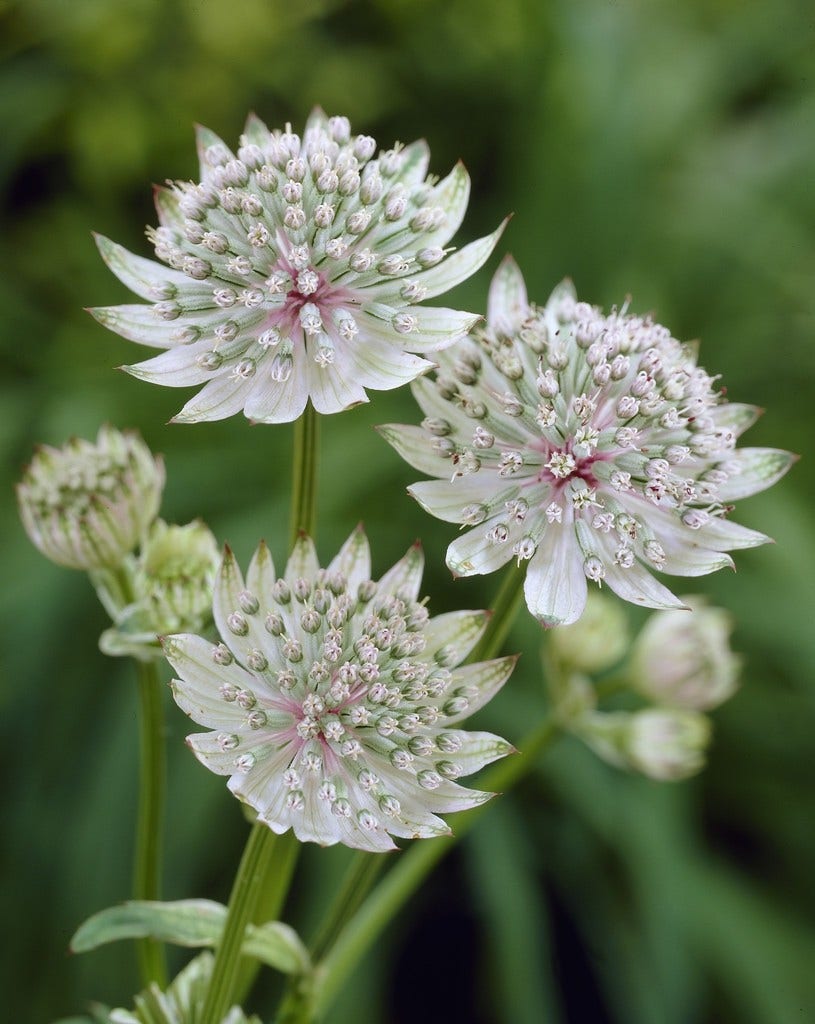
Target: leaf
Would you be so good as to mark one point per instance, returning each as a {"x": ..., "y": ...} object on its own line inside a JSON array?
[
  {"x": 191, "y": 923},
  {"x": 184, "y": 923}
]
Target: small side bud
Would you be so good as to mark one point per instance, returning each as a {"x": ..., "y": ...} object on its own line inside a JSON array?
[
  {"x": 599, "y": 638},
  {"x": 88, "y": 504},
  {"x": 683, "y": 659}
]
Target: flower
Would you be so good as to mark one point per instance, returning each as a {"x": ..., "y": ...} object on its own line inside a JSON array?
[
  {"x": 295, "y": 270},
  {"x": 683, "y": 659},
  {"x": 333, "y": 700},
  {"x": 590, "y": 445},
  {"x": 86, "y": 505},
  {"x": 172, "y": 590}
]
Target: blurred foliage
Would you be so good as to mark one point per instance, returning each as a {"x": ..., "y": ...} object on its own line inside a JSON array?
[{"x": 646, "y": 146}]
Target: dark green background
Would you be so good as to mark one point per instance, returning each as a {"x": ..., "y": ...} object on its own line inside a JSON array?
[{"x": 662, "y": 149}]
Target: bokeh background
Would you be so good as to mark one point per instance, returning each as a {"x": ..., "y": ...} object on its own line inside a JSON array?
[{"x": 663, "y": 149}]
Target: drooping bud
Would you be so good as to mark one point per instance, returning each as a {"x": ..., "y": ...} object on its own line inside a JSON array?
[
  {"x": 683, "y": 659},
  {"x": 87, "y": 505},
  {"x": 597, "y": 640},
  {"x": 666, "y": 744}
]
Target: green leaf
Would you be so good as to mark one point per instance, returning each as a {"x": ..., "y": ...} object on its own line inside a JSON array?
[
  {"x": 277, "y": 945},
  {"x": 184, "y": 923},
  {"x": 191, "y": 923}
]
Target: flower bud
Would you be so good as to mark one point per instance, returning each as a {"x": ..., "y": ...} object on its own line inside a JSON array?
[
  {"x": 86, "y": 505},
  {"x": 172, "y": 584},
  {"x": 666, "y": 744},
  {"x": 597, "y": 640},
  {"x": 683, "y": 659}
]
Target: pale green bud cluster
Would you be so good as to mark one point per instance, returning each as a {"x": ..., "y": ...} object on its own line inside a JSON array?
[
  {"x": 599, "y": 638},
  {"x": 666, "y": 744},
  {"x": 87, "y": 505},
  {"x": 172, "y": 589}
]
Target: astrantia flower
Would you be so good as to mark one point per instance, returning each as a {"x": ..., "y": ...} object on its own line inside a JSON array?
[
  {"x": 87, "y": 505},
  {"x": 333, "y": 700},
  {"x": 295, "y": 270},
  {"x": 589, "y": 445}
]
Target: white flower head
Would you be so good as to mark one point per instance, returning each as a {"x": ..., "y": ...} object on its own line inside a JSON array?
[
  {"x": 295, "y": 269},
  {"x": 611, "y": 453},
  {"x": 333, "y": 701},
  {"x": 683, "y": 658},
  {"x": 87, "y": 505}
]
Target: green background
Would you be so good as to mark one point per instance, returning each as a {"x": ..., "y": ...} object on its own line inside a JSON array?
[{"x": 660, "y": 149}]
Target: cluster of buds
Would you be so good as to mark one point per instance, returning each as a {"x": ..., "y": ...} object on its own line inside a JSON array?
[
  {"x": 88, "y": 504},
  {"x": 680, "y": 662},
  {"x": 172, "y": 586},
  {"x": 92, "y": 506}
]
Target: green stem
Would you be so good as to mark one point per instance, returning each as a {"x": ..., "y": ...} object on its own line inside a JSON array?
[
  {"x": 268, "y": 860},
  {"x": 362, "y": 872},
  {"x": 269, "y": 904},
  {"x": 304, "y": 475},
  {"x": 150, "y": 820},
  {"x": 246, "y": 889},
  {"x": 503, "y": 609},
  {"x": 411, "y": 869}
]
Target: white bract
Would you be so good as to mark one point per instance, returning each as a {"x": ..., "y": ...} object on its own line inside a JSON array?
[
  {"x": 295, "y": 269},
  {"x": 589, "y": 445},
  {"x": 333, "y": 701},
  {"x": 88, "y": 504},
  {"x": 683, "y": 659}
]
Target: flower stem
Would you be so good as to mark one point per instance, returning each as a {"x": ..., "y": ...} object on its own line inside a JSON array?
[
  {"x": 417, "y": 862},
  {"x": 269, "y": 903},
  {"x": 503, "y": 609},
  {"x": 246, "y": 890},
  {"x": 304, "y": 474},
  {"x": 268, "y": 860},
  {"x": 411, "y": 869},
  {"x": 150, "y": 820},
  {"x": 361, "y": 874}
]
